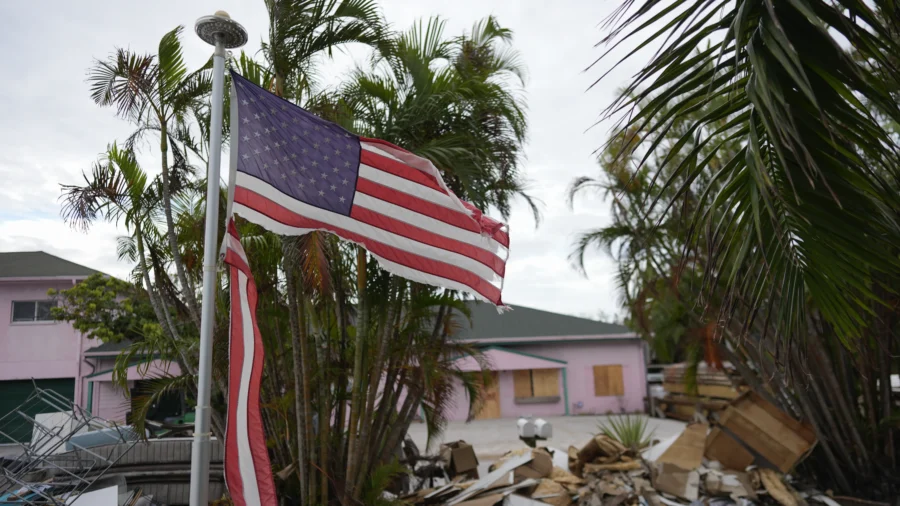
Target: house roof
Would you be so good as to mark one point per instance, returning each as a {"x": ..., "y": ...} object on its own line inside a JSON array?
[
  {"x": 525, "y": 322},
  {"x": 38, "y": 264},
  {"x": 108, "y": 348},
  {"x": 502, "y": 359}
]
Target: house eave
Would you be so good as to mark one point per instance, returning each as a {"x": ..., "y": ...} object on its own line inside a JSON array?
[
  {"x": 628, "y": 336},
  {"x": 42, "y": 278}
]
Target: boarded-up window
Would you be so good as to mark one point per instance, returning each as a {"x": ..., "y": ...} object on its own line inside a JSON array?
[
  {"x": 608, "y": 380},
  {"x": 536, "y": 383}
]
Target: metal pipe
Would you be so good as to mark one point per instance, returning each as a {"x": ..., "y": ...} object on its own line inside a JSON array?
[
  {"x": 200, "y": 449},
  {"x": 222, "y": 32}
]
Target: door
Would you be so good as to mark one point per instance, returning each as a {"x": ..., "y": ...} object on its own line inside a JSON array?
[
  {"x": 490, "y": 394},
  {"x": 14, "y": 393}
]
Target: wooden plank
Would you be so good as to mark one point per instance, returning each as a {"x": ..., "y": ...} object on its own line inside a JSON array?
[
  {"x": 781, "y": 447},
  {"x": 703, "y": 402},
  {"x": 522, "y": 383},
  {"x": 725, "y": 449},
  {"x": 687, "y": 450},
  {"x": 773, "y": 427},
  {"x": 718, "y": 391},
  {"x": 684, "y": 412},
  {"x": 546, "y": 382},
  {"x": 601, "y": 381},
  {"x": 616, "y": 379},
  {"x": 804, "y": 430},
  {"x": 491, "y": 399}
]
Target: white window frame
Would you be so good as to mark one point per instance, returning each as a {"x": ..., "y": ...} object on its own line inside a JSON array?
[{"x": 12, "y": 313}]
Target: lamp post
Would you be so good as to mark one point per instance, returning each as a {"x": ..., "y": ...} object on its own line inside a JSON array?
[{"x": 224, "y": 33}]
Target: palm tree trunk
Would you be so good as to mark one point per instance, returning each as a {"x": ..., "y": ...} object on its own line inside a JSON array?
[
  {"x": 158, "y": 305},
  {"x": 406, "y": 413},
  {"x": 306, "y": 365},
  {"x": 299, "y": 400},
  {"x": 375, "y": 377},
  {"x": 833, "y": 462},
  {"x": 356, "y": 396},
  {"x": 844, "y": 407},
  {"x": 186, "y": 288},
  {"x": 324, "y": 405}
]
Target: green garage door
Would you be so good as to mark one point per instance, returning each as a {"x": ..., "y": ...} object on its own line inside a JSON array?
[{"x": 14, "y": 393}]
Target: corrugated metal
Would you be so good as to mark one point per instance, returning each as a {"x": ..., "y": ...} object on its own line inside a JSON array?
[{"x": 160, "y": 467}]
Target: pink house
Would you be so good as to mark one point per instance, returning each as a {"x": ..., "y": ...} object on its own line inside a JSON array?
[
  {"x": 36, "y": 350},
  {"x": 549, "y": 364}
]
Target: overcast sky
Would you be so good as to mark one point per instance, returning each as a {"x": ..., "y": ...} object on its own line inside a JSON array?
[{"x": 50, "y": 129}]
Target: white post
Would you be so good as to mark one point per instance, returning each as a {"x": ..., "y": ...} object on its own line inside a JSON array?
[{"x": 223, "y": 32}]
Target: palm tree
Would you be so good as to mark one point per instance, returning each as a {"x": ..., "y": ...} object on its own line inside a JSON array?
[
  {"x": 118, "y": 189},
  {"x": 302, "y": 31},
  {"x": 797, "y": 228},
  {"x": 456, "y": 101},
  {"x": 157, "y": 93},
  {"x": 813, "y": 188}
]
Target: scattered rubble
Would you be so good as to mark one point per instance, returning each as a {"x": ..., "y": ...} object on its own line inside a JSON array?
[
  {"x": 741, "y": 460},
  {"x": 74, "y": 458},
  {"x": 715, "y": 388}
]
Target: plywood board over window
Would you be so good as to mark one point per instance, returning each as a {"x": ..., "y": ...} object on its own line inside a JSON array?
[
  {"x": 608, "y": 380},
  {"x": 530, "y": 383},
  {"x": 522, "y": 383},
  {"x": 545, "y": 382}
]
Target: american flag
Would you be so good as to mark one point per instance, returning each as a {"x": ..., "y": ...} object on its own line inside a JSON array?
[
  {"x": 248, "y": 473},
  {"x": 294, "y": 173}
]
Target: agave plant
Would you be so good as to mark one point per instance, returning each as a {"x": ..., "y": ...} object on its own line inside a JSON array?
[{"x": 629, "y": 429}]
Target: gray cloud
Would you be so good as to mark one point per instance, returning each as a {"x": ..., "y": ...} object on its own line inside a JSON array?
[{"x": 52, "y": 130}]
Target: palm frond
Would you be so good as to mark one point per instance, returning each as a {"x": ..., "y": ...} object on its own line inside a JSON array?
[
  {"x": 124, "y": 81},
  {"x": 811, "y": 200},
  {"x": 172, "y": 69}
]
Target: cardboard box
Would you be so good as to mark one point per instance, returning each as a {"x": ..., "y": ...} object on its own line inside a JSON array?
[
  {"x": 540, "y": 466},
  {"x": 768, "y": 431},
  {"x": 729, "y": 483},
  {"x": 686, "y": 451},
  {"x": 460, "y": 459},
  {"x": 675, "y": 480},
  {"x": 727, "y": 451}
]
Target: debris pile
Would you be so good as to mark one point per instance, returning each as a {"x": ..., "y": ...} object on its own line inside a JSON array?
[
  {"x": 715, "y": 389},
  {"x": 742, "y": 461},
  {"x": 60, "y": 454}
]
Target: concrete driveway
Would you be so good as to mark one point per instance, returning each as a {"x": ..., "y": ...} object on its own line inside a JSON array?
[{"x": 492, "y": 438}]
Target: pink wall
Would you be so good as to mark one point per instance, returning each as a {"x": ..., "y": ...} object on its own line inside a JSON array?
[
  {"x": 110, "y": 402},
  {"x": 580, "y": 358},
  {"x": 583, "y": 356},
  {"x": 38, "y": 350}
]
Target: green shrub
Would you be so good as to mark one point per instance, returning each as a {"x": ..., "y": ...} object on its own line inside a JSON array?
[{"x": 630, "y": 430}]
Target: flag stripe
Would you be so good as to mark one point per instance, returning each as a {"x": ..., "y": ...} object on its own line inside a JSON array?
[
  {"x": 418, "y": 163},
  {"x": 250, "y": 188},
  {"x": 383, "y": 143},
  {"x": 247, "y": 468},
  {"x": 233, "y": 477},
  {"x": 397, "y": 209},
  {"x": 257, "y": 436},
  {"x": 398, "y": 169},
  {"x": 415, "y": 233},
  {"x": 245, "y": 456},
  {"x": 461, "y": 221},
  {"x": 278, "y": 219},
  {"x": 408, "y": 187}
]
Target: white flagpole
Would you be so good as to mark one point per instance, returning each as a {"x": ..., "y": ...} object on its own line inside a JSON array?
[{"x": 224, "y": 33}]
